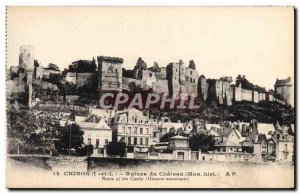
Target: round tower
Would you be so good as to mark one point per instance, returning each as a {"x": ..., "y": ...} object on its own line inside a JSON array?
[{"x": 26, "y": 57}]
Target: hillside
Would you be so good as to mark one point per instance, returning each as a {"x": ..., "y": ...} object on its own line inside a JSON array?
[{"x": 265, "y": 112}]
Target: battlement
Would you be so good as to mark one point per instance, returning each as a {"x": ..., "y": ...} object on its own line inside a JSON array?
[{"x": 110, "y": 59}]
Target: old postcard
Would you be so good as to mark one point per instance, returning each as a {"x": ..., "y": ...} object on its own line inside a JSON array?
[{"x": 150, "y": 97}]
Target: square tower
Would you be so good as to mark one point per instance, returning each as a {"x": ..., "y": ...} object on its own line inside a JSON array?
[{"x": 110, "y": 73}]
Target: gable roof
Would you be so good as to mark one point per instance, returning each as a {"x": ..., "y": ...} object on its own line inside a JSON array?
[
  {"x": 93, "y": 122},
  {"x": 178, "y": 137},
  {"x": 265, "y": 128},
  {"x": 228, "y": 140}
]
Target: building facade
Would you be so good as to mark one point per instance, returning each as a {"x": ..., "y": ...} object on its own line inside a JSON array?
[{"x": 133, "y": 128}]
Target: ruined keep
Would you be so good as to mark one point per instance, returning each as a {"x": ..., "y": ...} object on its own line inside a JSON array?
[
  {"x": 110, "y": 73},
  {"x": 182, "y": 80},
  {"x": 283, "y": 88},
  {"x": 26, "y": 57}
]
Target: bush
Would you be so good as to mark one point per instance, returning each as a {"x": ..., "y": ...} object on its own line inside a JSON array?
[{"x": 116, "y": 149}]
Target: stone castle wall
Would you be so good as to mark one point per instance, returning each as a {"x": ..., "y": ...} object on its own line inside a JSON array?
[
  {"x": 126, "y": 81},
  {"x": 161, "y": 87},
  {"x": 148, "y": 77},
  {"x": 39, "y": 72},
  {"x": 202, "y": 88},
  {"x": 14, "y": 87}
]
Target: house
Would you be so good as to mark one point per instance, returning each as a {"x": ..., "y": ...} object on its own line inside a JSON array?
[
  {"x": 284, "y": 145},
  {"x": 266, "y": 129},
  {"x": 188, "y": 126},
  {"x": 106, "y": 114},
  {"x": 133, "y": 128},
  {"x": 260, "y": 147},
  {"x": 166, "y": 127},
  {"x": 230, "y": 141},
  {"x": 271, "y": 147},
  {"x": 96, "y": 133},
  {"x": 180, "y": 147},
  {"x": 216, "y": 136}
]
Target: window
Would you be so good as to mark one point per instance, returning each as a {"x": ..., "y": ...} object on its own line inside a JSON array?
[
  {"x": 141, "y": 141},
  {"x": 106, "y": 141},
  {"x": 101, "y": 151},
  {"x": 147, "y": 130},
  {"x": 150, "y": 74},
  {"x": 122, "y": 130},
  {"x": 191, "y": 80},
  {"x": 97, "y": 143},
  {"x": 135, "y": 120},
  {"x": 135, "y": 141},
  {"x": 141, "y": 130},
  {"x": 129, "y": 140},
  {"x": 191, "y": 72},
  {"x": 285, "y": 156},
  {"x": 135, "y": 130},
  {"x": 146, "y": 141},
  {"x": 285, "y": 147},
  {"x": 89, "y": 141}
]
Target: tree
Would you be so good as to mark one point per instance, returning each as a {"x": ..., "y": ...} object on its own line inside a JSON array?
[
  {"x": 53, "y": 67},
  {"x": 36, "y": 63},
  {"x": 134, "y": 88},
  {"x": 116, "y": 149},
  {"x": 83, "y": 66},
  {"x": 201, "y": 141},
  {"x": 70, "y": 138},
  {"x": 166, "y": 137},
  {"x": 127, "y": 73},
  {"x": 86, "y": 150}
]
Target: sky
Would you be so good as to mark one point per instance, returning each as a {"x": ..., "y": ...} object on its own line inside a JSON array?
[{"x": 255, "y": 42}]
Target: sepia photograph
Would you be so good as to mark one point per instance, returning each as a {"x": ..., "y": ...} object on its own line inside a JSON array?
[{"x": 150, "y": 97}]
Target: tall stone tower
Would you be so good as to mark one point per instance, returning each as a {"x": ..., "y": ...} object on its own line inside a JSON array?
[
  {"x": 26, "y": 57},
  {"x": 182, "y": 80},
  {"x": 110, "y": 73},
  {"x": 26, "y": 62},
  {"x": 283, "y": 88}
]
